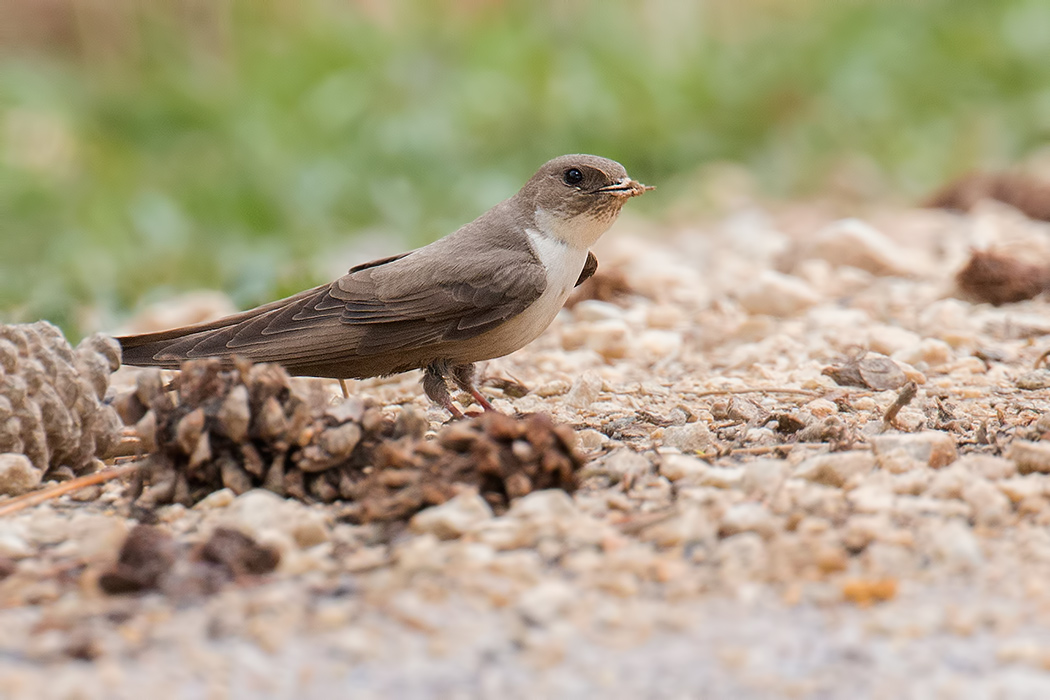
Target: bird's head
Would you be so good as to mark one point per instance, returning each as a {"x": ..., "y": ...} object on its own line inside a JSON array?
[{"x": 576, "y": 198}]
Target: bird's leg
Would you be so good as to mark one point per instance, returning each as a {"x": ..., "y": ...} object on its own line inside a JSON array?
[
  {"x": 463, "y": 376},
  {"x": 342, "y": 385},
  {"x": 435, "y": 386}
]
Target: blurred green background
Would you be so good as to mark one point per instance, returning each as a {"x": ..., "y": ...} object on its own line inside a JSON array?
[{"x": 153, "y": 146}]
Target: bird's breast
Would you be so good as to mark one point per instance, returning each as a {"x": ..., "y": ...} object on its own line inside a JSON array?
[{"x": 563, "y": 264}]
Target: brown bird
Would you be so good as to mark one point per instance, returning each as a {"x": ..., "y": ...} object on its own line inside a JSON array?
[{"x": 481, "y": 292}]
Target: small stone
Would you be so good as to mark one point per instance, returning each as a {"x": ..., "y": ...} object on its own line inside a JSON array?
[
  {"x": 991, "y": 507},
  {"x": 723, "y": 477},
  {"x": 1034, "y": 379},
  {"x": 858, "y": 244},
  {"x": 215, "y": 500},
  {"x": 310, "y": 531},
  {"x": 911, "y": 508},
  {"x": 764, "y": 476},
  {"x": 871, "y": 499},
  {"x": 682, "y": 468},
  {"x": 777, "y": 294},
  {"x": 546, "y": 603},
  {"x": 911, "y": 483},
  {"x": 664, "y": 316},
  {"x": 17, "y": 474},
  {"x": 931, "y": 351},
  {"x": 888, "y": 339},
  {"x": 266, "y": 516},
  {"x": 954, "y": 546},
  {"x": 558, "y": 387},
  {"x": 899, "y": 453},
  {"x": 550, "y": 503},
  {"x": 594, "y": 310},
  {"x": 821, "y": 408},
  {"x": 585, "y": 390},
  {"x": 658, "y": 345},
  {"x": 743, "y": 557},
  {"x": 12, "y": 544},
  {"x": 692, "y": 525},
  {"x": 454, "y": 518},
  {"x": 691, "y": 437},
  {"x": 949, "y": 482},
  {"x": 1030, "y": 456},
  {"x": 591, "y": 440},
  {"x": 1019, "y": 488},
  {"x": 862, "y": 529},
  {"x": 988, "y": 466},
  {"x": 609, "y": 338},
  {"x": 839, "y": 469},
  {"x": 748, "y": 517},
  {"x": 620, "y": 465}
]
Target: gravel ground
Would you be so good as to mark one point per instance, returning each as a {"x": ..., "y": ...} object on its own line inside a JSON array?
[{"x": 747, "y": 526}]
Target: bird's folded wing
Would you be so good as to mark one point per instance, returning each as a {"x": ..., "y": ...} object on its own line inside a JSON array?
[
  {"x": 590, "y": 266},
  {"x": 404, "y": 302}
]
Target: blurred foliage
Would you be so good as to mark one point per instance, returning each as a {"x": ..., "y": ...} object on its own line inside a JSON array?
[{"x": 151, "y": 147}]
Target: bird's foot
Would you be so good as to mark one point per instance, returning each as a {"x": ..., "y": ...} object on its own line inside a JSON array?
[
  {"x": 451, "y": 408},
  {"x": 480, "y": 398},
  {"x": 435, "y": 387},
  {"x": 463, "y": 376}
]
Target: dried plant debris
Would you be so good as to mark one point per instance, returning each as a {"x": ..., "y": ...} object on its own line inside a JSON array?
[
  {"x": 996, "y": 278},
  {"x": 150, "y": 559},
  {"x": 870, "y": 370},
  {"x": 1023, "y": 192},
  {"x": 247, "y": 429},
  {"x": 499, "y": 456},
  {"x": 51, "y": 397},
  {"x": 511, "y": 388}
]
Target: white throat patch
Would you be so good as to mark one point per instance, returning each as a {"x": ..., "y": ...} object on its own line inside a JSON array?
[
  {"x": 561, "y": 261},
  {"x": 578, "y": 231}
]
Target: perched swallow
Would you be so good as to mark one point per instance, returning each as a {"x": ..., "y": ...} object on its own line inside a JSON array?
[{"x": 481, "y": 292}]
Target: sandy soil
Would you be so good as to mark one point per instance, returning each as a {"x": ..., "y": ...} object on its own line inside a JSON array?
[{"x": 746, "y": 526}]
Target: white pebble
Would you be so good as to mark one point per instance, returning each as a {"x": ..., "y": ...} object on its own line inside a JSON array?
[
  {"x": 585, "y": 390},
  {"x": 777, "y": 294},
  {"x": 594, "y": 310},
  {"x": 682, "y": 468},
  {"x": 453, "y": 518},
  {"x": 609, "y": 338},
  {"x": 748, "y": 517},
  {"x": 17, "y": 474},
  {"x": 839, "y": 469},
  {"x": 858, "y": 244},
  {"x": 691, "y": 437}
]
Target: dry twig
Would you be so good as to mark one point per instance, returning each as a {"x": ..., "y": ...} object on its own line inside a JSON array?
[
  {"x": 764, "y": 449},
  {"x": 755, "y": 390},
  {"x": 37, "y": 497},
  {"x": 904, "y": 397}
]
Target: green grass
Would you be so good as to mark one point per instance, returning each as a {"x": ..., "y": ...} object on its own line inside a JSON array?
[{"x": 236, "y": 147}]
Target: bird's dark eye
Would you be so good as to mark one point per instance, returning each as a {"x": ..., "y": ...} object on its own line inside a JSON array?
[{"x": 573, "y": 176}]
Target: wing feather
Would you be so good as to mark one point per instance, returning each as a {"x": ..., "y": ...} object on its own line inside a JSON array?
[{"x": 446, "y": 292}]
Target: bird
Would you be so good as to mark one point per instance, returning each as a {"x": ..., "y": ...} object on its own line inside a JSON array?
[{"x": 481, "y": 292}]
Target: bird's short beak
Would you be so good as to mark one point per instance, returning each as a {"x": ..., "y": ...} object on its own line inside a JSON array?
[{"x": 625, "y": 187}]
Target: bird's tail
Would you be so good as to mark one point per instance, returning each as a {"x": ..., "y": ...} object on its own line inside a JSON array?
[{"x": 168, "y": 349}]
